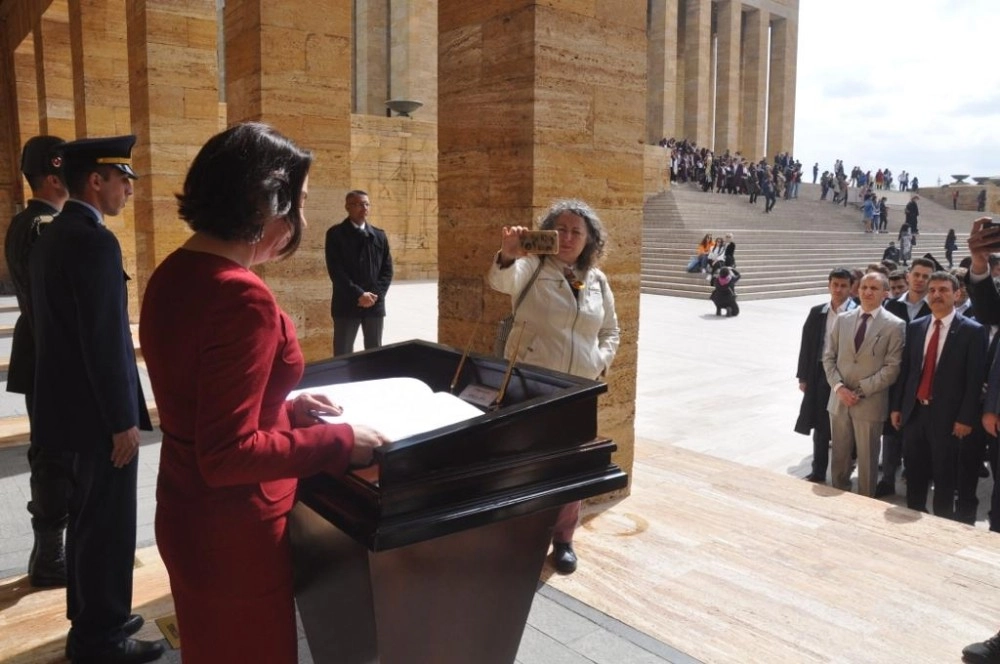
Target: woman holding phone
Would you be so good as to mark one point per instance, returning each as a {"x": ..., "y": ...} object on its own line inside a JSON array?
[{"x": 568, "y": 312}]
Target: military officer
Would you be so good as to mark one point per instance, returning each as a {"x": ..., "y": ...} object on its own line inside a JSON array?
[
  {"x": 88, "y": 399},
  {"x": 41, "y": 163}
]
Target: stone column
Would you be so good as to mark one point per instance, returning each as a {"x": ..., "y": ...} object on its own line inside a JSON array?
[
  {"x": 172, "y": 52},
  {"x": 99, "y": 63},
  {"x": 754, "y": 84},
  {"x": 538, "y": 103},
  {"x": 290, "y": 65},
  {"x": 55, "y": 107},
  {"x": 661, "y": 70},
  {"x": 727, "y": 100},
  {"x": 26, "y": 81},
  {"x": 413, "y": 54},
  {"x": 11, "y": 188},
  {"x": 371, "y": 56},
  {"x": 781, "y": 100},
  {"x": 697, "y": 71}
]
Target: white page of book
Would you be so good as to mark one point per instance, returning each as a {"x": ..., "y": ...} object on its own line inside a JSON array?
[{"x": 396, "y": 407}]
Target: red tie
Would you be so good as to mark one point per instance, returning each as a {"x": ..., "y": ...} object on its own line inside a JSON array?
[{"x": 925, "y": 388}]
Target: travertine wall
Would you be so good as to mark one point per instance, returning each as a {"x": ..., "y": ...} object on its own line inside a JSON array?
[
  {"x": 290, "y": 65},
  {"x": 967, "y": 197},
  {"x": 396, "y": 161},
  {"x": 174, "y": 86},
  {"x": 656, "y": 170},
  {"x": 539, "y": 102}
]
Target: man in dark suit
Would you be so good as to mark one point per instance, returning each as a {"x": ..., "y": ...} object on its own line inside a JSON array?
[
  {"x": 360, "y": 267},
  {"x": 985, "y": 295},
  {"x": 41, "y": 164},
  {"x": 813, "y": 415},
  {"x": 937, "y": 401},
  {"x": 908, "y": 306},
  {"x": 88, "y": 400}
]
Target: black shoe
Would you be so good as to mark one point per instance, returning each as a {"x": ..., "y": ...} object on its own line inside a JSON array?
[
  {"x": 883, "y": 489},
  {"x": 563, "y": 557},
  {"x": 127, "y": 651},
  {"x": 986, "y": 652},
  {"x": 47, "y": 562},
  {"x": 132, "y": 625},
  {"x": 816, "y": 477}
]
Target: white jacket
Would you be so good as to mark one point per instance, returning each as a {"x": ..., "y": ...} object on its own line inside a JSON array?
[{"x": 578, "y": 335}]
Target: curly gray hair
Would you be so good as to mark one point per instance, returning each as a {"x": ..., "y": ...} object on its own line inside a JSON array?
[{"x": 596, "y": 235}]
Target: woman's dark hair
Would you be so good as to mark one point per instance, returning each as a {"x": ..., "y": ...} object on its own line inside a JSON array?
[
  {"x": 594, "y": 248},
  {"x": 241, "y": 179}
]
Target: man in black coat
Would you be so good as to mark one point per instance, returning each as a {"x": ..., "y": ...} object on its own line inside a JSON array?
[
  {"x": 813, "y": 414},
  {"x": 50, "y": 472},
  {"x": 911, "y": 212},
  {"x": 360, "y": 267},
  {"x": 88, "y": 400},
  {"x": 985, "y": 295},
  {"x": 937, "y": 403}
]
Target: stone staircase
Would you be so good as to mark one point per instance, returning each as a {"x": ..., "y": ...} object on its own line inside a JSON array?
[{"x": 786, "y": 253}]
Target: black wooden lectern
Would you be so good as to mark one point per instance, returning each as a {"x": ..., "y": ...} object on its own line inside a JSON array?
[{"x": 433, "y": 556}]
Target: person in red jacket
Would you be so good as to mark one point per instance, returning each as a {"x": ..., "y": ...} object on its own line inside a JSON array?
[{"x": 222, "y": 357}]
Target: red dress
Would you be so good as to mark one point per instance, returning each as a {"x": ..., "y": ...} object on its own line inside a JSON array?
[{"x": 222, "y": 357}]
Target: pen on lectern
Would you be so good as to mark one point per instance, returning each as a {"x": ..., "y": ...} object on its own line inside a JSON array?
[
  {"x": 468, "y": 349},
  {"x": 510, "y": 368}
]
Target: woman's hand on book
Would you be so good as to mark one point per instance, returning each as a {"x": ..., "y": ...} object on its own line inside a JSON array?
[
  {"x": 366, "y": 439},
  {"x": 308, "y": 409}
]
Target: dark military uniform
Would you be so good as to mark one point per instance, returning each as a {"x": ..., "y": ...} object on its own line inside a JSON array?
[
  {"x": 86, "y": 390},
  {"x": 49, "y": 472}
]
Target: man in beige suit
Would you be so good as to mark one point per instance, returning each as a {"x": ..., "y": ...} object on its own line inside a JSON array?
[{"x": 862, "y": 360}]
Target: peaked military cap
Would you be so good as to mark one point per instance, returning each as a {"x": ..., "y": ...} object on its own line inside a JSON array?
[
  {"x": 42, "y": 156},
  {"x": 89, "y": 152}
]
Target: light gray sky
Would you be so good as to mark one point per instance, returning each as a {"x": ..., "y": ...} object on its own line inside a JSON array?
[{"x": 912, "y": 85}]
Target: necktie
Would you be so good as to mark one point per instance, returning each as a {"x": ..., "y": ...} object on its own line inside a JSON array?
[
  {"x": 859, "y": 336},
  {"x": 924, "y": 389}
]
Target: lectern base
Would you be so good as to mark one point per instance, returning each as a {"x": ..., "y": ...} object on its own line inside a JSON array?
[{"x": 453, "y": 599}]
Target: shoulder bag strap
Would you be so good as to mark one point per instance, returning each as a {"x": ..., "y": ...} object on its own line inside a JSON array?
[{"x": 524, "y": 293}]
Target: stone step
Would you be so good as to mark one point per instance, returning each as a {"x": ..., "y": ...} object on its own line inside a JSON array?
[
  {"x": 787, "y": 253},
  {"x": 743, "y": 295}
]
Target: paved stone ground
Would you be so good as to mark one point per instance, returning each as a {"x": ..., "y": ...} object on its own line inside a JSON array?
[{"x": 694, "y": 368}]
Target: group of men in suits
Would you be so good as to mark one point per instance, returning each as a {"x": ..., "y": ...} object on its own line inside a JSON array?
[
  {"x": 913, "y": 362},
  {"x": 74, "y": 359}
]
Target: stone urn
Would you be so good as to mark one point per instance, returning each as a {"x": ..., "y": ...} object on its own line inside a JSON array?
[
  {"x": 981, "y": 180},
  {"x": 403, "y": 107},
  {"x": 959, "y": 178}
]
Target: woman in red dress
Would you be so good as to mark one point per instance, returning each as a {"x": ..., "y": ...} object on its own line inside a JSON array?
[{"x": 222, "y": 357}]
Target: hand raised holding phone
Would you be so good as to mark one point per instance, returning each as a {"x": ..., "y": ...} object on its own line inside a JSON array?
[{"x": 519, "y": 241}]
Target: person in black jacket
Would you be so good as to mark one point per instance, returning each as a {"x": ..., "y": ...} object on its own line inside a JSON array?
[
  {"x": 360, "y": 267},
  {"x": 813, "y": 413},
  {"x": 88, "y": 403},
  {"x": 50, "y": 474}
]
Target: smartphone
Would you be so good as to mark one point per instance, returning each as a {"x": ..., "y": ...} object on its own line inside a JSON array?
[
  {"x": 540, "y": 242},
  {"x": 991, "y": 226}
]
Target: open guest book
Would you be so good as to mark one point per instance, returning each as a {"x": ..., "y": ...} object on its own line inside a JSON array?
[{"x": 395, "y": 407}]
